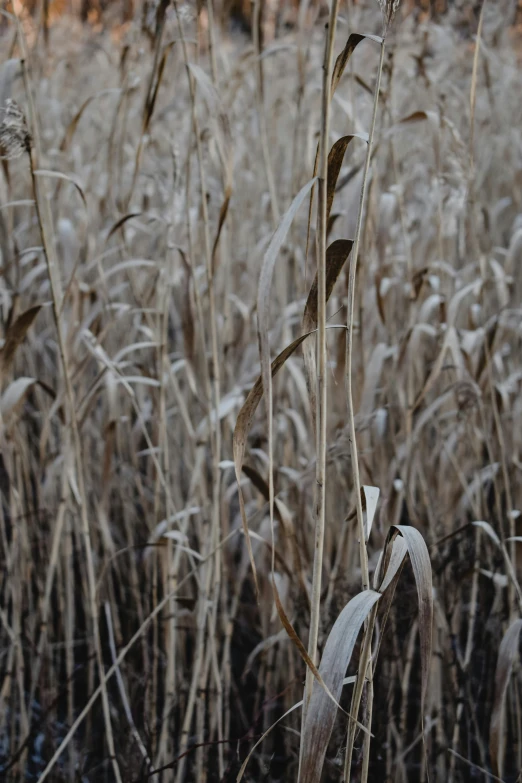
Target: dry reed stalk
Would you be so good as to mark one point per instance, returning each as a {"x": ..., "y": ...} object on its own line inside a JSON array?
[
  {"x": 321, "y": 381},
  {"x": 365, "y": 657},
  {"x": 436, "y": 381},
  {"x": 165, "y": 745},
  {"x": 121, "y": 657},
  {"x": 121, "y": 688},
  {"x": 214, "y": 400},
  {"x": 46, "y": 228},
  {"x": 256, "y": 30}
]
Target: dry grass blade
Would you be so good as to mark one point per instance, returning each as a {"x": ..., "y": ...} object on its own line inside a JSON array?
[
  {"x": 335, "y": 162},
  {"x": 121, "y": 222},
  {"x": 283, "y": 516},
  {"x": 15, "y": 335},
  {"x": 246, "y": 414},
  {"x": 342, "y": 60},
  {"x": 336, "y": 256},
  {"x": 370, "y": 498},
  {"x": 14, "y": 394},
  {"x": 156, "y": 75},
  {"x": 267, "y": 371},
  {"x": 64, "y": 178},
  {"x": 218, "y": 117},
  {"x": 154, "y": 80},
  {"x": 321, "y": 406},
  {"x": 421, "y": 566},
  {"x": 416, "y": 116},
  {"x": 489, "y": 530},
  {"x": 223, "y": 212},
  {"x": 265, "y": 282},
  {"x": 510, "y": 569},
  {"x": 294, "y": 638},
  {"x": 267, "y": 270},
  {"x": 506, "y": 657},
  {"x": 264, "y": 736},
  {"x": 390, "y": 566},
  {"x": 243, "y": 425},
  {"x": 468, "y": 763},
  {"x": 121, "y": 688},
  {"x": 121, "y": 657},
  {"x": 152, "y": 96},
  {"x": 337, "y": 654},
  {"x": 390, "y": 562},
  {"x": 120, "y": 488},
  {"x": 71, "y": 128},
  {"x": 346, "y": 681}
]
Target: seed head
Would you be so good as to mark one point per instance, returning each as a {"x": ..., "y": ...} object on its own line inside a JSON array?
[
  {"x": 389, "y": 9},
  {"x": 468, "y": 396},
  {"x": 14, "y": 135}
]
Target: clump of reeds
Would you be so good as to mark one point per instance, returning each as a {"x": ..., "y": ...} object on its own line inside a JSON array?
[{"x": 260, "y": 440}]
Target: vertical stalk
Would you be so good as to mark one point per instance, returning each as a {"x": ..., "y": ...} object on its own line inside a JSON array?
[
  {"x": 214, "y": 399},
  {"x": 45, "y": 222},
  {"x": 163, "y": 445},
  {"x": 256, "y": 39},
  {"x": 321, "y": 354},
  {"x": 349, "y": 341},
  {"x": 365, "y": 665}
]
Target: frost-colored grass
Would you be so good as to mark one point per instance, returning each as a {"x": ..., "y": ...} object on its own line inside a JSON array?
[{"x": 175, "y": 181}]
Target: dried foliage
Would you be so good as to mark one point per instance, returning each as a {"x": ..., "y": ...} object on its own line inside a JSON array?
[{"x": 178, "y": 227}]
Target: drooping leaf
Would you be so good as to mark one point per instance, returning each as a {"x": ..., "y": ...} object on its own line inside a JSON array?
[
  {"x": 336, "y": 256},
  {"x": 335, "y": 162},
  {"x": 342, "y": 60},
  {"x": 14, "y": 394},
  {"x": 390, "y": 562},
  {"x": 65, "y": 178},
  {"x": 506, "y": 658},
  {"x": 489, "y": 530},
  {"x": 386, "y": 578},
  {"x": 321, "y": 712},
  {"x": 71, "y": 128},
  {"x": 421, "y": 566},
  {"x": 263, "y": 308},
  {"x": 119, "y": 223}
]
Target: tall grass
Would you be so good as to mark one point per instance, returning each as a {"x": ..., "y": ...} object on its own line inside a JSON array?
[{"x": 260, "y": 398}]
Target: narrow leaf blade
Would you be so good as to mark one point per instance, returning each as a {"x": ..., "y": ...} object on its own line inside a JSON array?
[
  {"x": 320, "y": 716},
  {"x": 506, "y": 657}
]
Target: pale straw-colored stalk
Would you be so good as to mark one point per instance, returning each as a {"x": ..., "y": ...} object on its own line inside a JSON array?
[
  {"x": 45, "y": 221},
  {"x": 388, "y": 7},
  {"x": 322, "y": 405}
]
